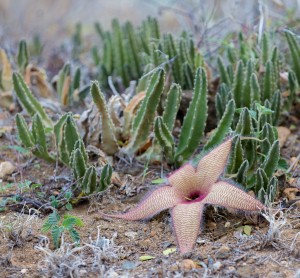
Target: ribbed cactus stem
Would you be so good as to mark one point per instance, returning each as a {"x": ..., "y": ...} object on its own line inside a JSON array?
[
  {"x": 108, "y": 136},
  {"x": 269, "y": 82},
  {"x": 242, "y": 173},
  {"x": 255, "y": 89},
  {"x": 195, "y": 119},
  {"x": 238, "y": 84},
  {"x": 39, "y": 137},
  {"x": 271, "y": 161},
  {"x": 23, "y": 56},
  {"x": 119, "y": 52},
  {"x": 70, "y": 134},
  {"x": 295, "y": 52},
  {"x": 223, "y": 127},
  {"x": 165, "y": 139},
  {"x": 78, "y": 164},
  {"x": 172, "y": 105},
  {"x": 223, "y": 72},
  {"x": 28, "y": 101},
  {"x": 265, "y": 48},
  {"x": 276, "y": 107},
  {"x": 89, "y": 181},
  {"x": 145, "y": 116},
  {"x": 247, "y": 84},
  {"x": 24, "y": 133},
  {"x": 105, "y": 177}
]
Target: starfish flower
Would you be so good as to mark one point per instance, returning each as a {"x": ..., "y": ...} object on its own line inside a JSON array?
[{"x": 188, "y": 190}]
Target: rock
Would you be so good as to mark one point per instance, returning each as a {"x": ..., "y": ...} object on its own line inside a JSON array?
[
  {"x": 211, "y": 225},
  {"x": 6, "y": 168},
  {"x": 111, "y": 273},
  {"x": 174, "y": 267},
  {"x": 167, "y": 244},
  {"x": 201, "y": 241},
  {"x": 131, "y": 234},
  {"x": 128, "y": 265},
  {"x": 284, "y": 77},
  {"x": 250, "y": 261},
  {"x": 245, "y": 271},
  {"x": 23, "y": 271},
  {"x": 82, "y": 273},
  {"x": 145, "y": 243},
  {"x": 230, "y": 269},
  {"x": 283, "y": 135},
  {"x": 6, "y": 100},
  {"x": 223, "y": 252},
  {"x": 188, "y": 264},
  {"x": 227, "y": 224},
  {"x": 209, "y": 262},
  {"x": 217, "y": 265}
]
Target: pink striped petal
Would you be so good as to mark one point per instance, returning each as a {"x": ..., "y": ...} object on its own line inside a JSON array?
[
  {"x": 160, "y": 199},
  {"x": 212, "y": 165},
  {"x": 184, "y": 180},
  {"x": 227, "y": 195},
  {"x": 186, "y": 221}
]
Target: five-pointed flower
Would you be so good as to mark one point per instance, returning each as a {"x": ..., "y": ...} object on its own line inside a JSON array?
[{"x": 188, "y": 190}]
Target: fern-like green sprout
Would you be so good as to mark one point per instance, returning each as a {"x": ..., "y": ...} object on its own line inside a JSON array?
[{"x": 58, "y": 227}]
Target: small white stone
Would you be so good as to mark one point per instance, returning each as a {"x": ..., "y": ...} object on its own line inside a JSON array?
[
  {"x": 131, "y": 234},
  {"x": 24, "y": 270},
  {"x": 217, "y": 265},
  {"x": 201, "y": 241},
  {"x": 6, "y": 168},
  {"x": 227, "y": 225}
]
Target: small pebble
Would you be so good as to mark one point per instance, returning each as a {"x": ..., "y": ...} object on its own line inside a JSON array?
[
  {"x": 6, "y": 168},
  {"x": 217, "y": 265},
  {"x": 83, "y": 272},
  {"x": 209, "y": 263},
  {"x": 153, "y": 233},
  {"x": 223, "y": 252},
  {"x": 131, "y": 234},
  {"x": 174, "y": 267},
  {"x": 201, "y": 241},
  {"x": 128, "y": 265},
  {"x": 167, "y": 244},
  {"x": 227, "y": 225},
  {"x": 189, "y": 264},
  {"x": 245, "y": 271},
  {"x": 250, "y": 261},
  {"x": 231, "y": 269}
]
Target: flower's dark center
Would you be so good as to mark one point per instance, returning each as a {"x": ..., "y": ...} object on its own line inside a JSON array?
[{"x": 193, "y": 196}]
